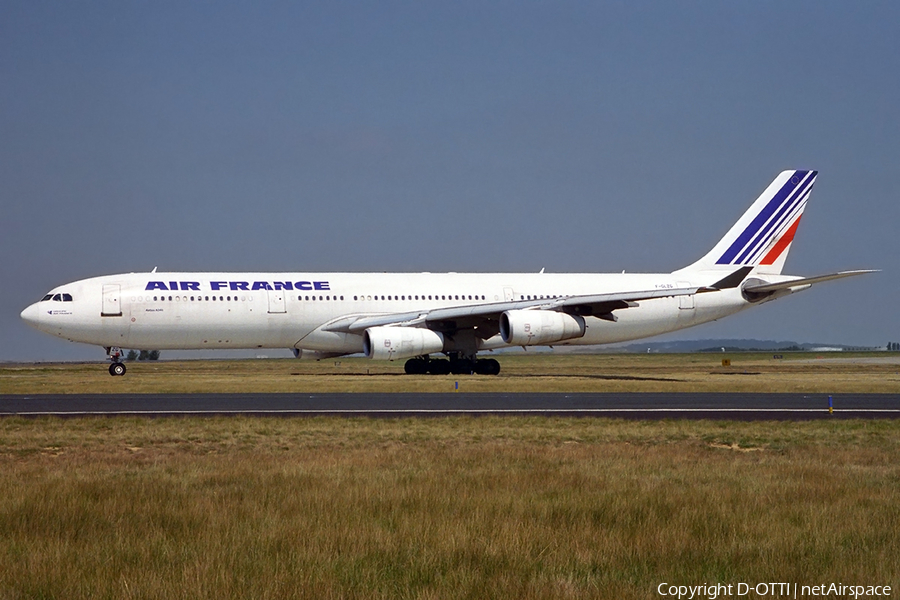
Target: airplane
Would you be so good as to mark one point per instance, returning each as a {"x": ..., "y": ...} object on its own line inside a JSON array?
[{"x": 416, "y": 316}]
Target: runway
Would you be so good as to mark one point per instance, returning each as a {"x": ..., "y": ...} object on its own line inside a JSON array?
[{"x": 651, "y": 406}]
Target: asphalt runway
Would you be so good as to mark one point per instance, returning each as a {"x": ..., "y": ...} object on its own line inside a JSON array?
[{"x": 629, "y": 406}]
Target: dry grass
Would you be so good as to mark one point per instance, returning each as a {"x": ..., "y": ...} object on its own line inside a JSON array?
[
  {"x": 440, "y": 508},
  {"x": 877, "y": 372}
]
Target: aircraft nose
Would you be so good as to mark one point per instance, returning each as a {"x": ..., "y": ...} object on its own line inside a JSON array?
[{"x": 31, "y": 315}]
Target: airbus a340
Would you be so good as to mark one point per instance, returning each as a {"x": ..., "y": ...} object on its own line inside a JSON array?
[{"x": 416, "y": 316}]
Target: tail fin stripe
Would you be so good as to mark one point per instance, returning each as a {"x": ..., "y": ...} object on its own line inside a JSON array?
[
  {"x": 754, "y": 226},
  {"x": 763, "y": 237},
  {"x": 786, "y": 193},
  {"x": 782, "y": 243},
  {"x": 781, "y": 228}
]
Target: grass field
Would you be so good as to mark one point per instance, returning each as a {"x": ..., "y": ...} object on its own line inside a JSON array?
[
  {"x": 749, "y": 372},
  {"x": 441, "y": 508},
  {"x": 462, "y": 507}
]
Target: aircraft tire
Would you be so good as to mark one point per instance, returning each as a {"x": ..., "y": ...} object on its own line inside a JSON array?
[
  {"x": 487, "y": 366},
  {"x": 416, "y": 366},
  {"x": 491, "y": 367},
  {"x": 462, "y": 367},
  {"x": 117, "y": 369},
  {"x": 439, "y": 367}
]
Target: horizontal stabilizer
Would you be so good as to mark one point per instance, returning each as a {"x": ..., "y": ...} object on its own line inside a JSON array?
[{"x": 764, "y": 288}]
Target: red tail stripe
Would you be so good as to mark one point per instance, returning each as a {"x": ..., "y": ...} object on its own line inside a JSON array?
[{"x": 782, "y": 243}]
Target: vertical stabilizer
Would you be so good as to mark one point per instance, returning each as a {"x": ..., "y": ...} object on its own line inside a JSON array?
[{"x": 762, "y": 237}]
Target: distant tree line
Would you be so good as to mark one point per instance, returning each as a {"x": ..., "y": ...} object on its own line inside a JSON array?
[
  {"x": 142, "y": 355},
  {"x": 720, "y": 349}
]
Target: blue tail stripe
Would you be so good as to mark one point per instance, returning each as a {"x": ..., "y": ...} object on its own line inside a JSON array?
[
  {"x": 784, "y": 213},
  {"x": 783, "y": 223},
  {"x": 754, "y": 226},
  {"x": 763, "y": 237},
  {"x": 761, "y": 218}
]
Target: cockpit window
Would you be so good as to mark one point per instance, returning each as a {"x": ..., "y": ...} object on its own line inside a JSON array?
[
  {"x": 67, "y": 297},
  {"x": 47, "y": 297},
  {"x": 57, "y": 298}
]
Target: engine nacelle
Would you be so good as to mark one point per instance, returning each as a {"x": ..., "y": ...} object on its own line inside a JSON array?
[
  {"x": 395, "y": 343},
  {"x": 535, "y": 327},
  {"x": 303, "y": 354}
]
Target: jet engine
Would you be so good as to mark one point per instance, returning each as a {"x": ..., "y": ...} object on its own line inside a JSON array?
[
  {"x": 533, "y": 327},
  {"x": 303, "y": 354},
  {"x": 395, "y": 343}
]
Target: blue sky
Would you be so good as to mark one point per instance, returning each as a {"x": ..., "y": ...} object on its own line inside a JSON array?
[{"x": 504, "y": 136}]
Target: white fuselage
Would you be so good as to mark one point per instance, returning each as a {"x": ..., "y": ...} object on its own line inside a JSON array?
[{"x": 293, "y": 310}]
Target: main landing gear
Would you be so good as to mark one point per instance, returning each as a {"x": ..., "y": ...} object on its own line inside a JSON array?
[
  {"x": 116, "y": 369},
  {"x": 456, "y": 365}
]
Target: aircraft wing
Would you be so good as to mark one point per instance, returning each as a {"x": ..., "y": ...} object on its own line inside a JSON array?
[
  {"x": 486, "y": 316},
  {"x": 761, "y": 287}
]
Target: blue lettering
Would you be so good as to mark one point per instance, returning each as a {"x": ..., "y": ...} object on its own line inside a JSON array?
[{"x": 195, "y": 286}]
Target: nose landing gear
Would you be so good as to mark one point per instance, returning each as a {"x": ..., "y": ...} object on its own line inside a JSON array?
[{"x": 116, "y": 368}]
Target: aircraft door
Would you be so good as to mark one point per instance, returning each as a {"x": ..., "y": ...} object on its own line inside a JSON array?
[
  {"x": 112, "y": 300},
  {"x": 685, "y": 302},
  {"x": 276, "y": 302},
  {"x": 508, "y": 294}
]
